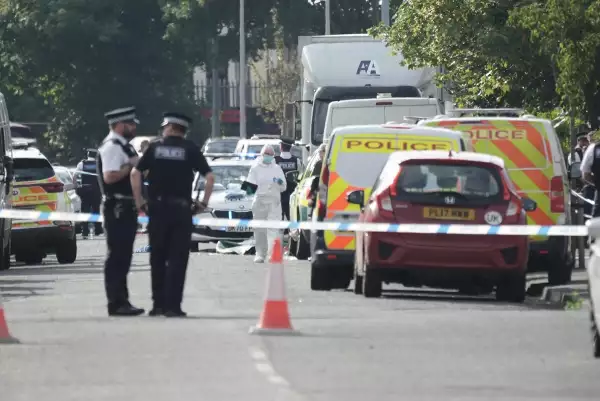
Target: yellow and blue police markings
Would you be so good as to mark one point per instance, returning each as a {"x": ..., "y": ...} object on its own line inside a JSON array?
[{"x": 33, "y": 196}]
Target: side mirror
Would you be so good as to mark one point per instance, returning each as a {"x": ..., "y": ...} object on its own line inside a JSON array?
[
  {"x": 356, "y": 197},
  {"x": 529, "y": 205}
]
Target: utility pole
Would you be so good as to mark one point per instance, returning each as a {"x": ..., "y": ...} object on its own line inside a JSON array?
[
  {"x": 385, "y": 12},
  {"x": 242, "y": 71},
  {"x": 327, "y": 17},
  {"x": 216, "y": 99}
]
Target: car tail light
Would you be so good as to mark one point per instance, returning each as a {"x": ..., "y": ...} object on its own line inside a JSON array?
[
  {"x": 322, "y": 204},
  {"x": 557, "y": 195},
  {"x": 383, "y": 201},
  {"x": 54, "y": 187},
  {"x": 394, "y": 186}
]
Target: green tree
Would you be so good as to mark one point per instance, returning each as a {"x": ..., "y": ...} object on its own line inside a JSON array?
[
  {"x": 568, "y": 32},
  {"x": 485, "y": 61}
]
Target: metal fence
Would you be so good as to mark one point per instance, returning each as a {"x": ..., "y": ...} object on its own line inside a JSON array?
[{"x": 229, "y": 94}]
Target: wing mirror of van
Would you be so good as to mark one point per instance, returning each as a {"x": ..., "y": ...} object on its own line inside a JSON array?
[
  {"x": 356, "y": 197},
  {"x": 529, "y": 205}
]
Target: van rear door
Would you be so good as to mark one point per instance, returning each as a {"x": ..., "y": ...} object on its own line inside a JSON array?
[{"x": 526, "y": 151}]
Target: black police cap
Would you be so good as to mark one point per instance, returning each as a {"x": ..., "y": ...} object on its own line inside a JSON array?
[
  {"x": 582, "y": 135},
  {"x": 176, "y": 118},
  {"x": 126, "y": 114}
]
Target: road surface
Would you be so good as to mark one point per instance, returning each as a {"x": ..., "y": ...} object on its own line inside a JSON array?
[{"x": 408, "y": 345}]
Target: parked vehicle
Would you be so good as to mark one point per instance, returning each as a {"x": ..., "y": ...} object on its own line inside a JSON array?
[
  {"x": 215, "y": 148},
  {"x": 37, "y": 187},
  {"x": 443, "y": 188}
]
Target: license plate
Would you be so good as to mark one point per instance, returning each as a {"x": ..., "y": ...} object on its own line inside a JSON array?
[
  {"x": 238, "y": 229},
  {"x": 444, "y": 213}
]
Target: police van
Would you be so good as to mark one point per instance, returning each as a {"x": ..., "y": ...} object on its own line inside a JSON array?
[
  {"x": 6, "y": 178},
  {"x": 532, "y": 152},
  {"x": 354, "y": 158}
]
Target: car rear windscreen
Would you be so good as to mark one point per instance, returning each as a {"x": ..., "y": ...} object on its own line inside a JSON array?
[
  {"x": 256, "y": 149},
  {"x": 220, "y": 147},
  {"x": 226, "y": 176},
  {"x": 431, "y": 182},
  {"x": 32, "y": 169}
]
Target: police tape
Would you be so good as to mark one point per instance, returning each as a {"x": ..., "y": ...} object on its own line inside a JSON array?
[{"x": 239, "y": 225}]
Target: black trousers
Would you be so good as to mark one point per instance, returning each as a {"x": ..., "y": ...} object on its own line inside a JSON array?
[
  {"x": 596, "y": 210},
  {"x": 120, "y": 225},
  {"x": 90, "y": 203},
  {"x": 170, "y": 230},
  {"x": 285, "y": 206}
]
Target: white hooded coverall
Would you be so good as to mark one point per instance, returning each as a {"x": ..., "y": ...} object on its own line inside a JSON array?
[{"x": 267, "y": 202}]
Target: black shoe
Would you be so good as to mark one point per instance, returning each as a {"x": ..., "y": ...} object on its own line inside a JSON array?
[
  {"x": 156, "y": 312},
  {"x": 179, "y": 313},
  {"x": 126, "y": 310}
]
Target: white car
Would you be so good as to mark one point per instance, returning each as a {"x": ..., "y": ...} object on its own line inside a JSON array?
[
  {"x": 228, "y": 201},
  {"x": 137, "y": 142}
]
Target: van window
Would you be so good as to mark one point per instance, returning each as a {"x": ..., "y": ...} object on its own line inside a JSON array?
[{"x": 32, "y": 169}]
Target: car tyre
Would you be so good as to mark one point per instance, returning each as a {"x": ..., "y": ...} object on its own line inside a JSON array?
[
  {"x": 371, "y": 284},
  {"x": 194, "y": 247},
  {"x": 512, "y": 288},
  {"x": 560, "y": 271},
  {"x": 303, "y": 249},
  {"x": 320, "y": 278},
  {"x": 66, "y": 253}
]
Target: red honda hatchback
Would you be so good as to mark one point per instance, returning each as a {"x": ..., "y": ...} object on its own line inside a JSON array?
[{"x": 433, "y": 187}]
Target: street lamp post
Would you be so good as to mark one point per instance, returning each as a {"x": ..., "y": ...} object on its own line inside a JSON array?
[
  {"x": 327, "y": 17},
  {"x": 216, "y": 87},
  {"x": 385, "y": 12},
  {"x": 242, "y": 71}
]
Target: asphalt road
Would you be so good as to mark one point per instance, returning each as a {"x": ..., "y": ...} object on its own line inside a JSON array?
[{"x": 406, "y": 346}]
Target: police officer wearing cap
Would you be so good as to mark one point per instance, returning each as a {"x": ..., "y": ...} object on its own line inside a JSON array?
[
  {"x": 590, "y": 168},
  {"x": 171, "y": 164},
  {"x": 89, "y": 191},
  {"x": 116, "y": 158},
  {"x": 288, "y": 163}
]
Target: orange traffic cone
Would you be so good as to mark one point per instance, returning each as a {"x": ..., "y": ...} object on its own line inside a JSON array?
[
  {"x": 5, "y": 337},
  {"x": 275, "y": 317}
]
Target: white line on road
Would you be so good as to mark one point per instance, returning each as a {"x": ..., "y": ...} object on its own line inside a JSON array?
[{"x": 262, "y": 364}]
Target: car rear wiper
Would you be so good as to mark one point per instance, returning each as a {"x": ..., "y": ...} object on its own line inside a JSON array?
[{"x": 450, "y": 193}]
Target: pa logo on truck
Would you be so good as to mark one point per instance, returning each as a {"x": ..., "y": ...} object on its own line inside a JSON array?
[{"x": 368, "y": 68}]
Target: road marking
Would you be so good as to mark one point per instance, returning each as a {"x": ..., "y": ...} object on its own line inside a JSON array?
[{"x": 262, "y": 364}]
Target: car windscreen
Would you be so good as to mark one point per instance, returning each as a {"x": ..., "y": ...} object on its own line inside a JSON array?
[
  {"x": 226, "y": 176},
  {"x": 220, "y": 147},
  {"x": 256, "y": 149},
  {"x": 431, "y": 182},
  {"x": 32, "y": 169}
]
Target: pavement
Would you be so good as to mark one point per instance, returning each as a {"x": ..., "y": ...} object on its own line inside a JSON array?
[{"x": 408, "y": 345}]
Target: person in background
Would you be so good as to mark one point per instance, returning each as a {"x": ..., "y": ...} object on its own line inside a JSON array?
[
  {"x": 574, "y": 162},
  {"x": 288, "y": 163},
  {"x": 143, "y": 147},
  {"x": 266, "y": 181},
  {"x": 89, "y": 192}
]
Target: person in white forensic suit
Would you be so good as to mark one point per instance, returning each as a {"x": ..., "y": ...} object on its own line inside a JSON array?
[{"x": 266, "y": 181}]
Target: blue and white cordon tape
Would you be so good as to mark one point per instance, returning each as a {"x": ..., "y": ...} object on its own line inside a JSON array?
[{"x": 461, "y": 229}]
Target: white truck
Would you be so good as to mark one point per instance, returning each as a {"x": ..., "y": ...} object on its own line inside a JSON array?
[{"x": 345, "y": 67}]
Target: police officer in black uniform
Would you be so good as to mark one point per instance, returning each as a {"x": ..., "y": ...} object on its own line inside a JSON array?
[
  {"x": 171, "y": 163},
  {"x": 116, "y": 158},
  {"x": 89, "y": 192},
  {"x": 288, "y": 163}
]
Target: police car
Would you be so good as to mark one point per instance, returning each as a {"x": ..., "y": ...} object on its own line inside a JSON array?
[
  {"x": 228, "y": 201},
  {"x": 37, "y": 187}
]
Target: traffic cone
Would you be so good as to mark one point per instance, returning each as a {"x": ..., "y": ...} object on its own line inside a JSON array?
[
  {"x": 5, "y": 337},
  {"x": 275, "y": 317}
]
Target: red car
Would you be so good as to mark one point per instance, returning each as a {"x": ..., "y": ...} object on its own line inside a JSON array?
[{"x": 434, "y": 187}]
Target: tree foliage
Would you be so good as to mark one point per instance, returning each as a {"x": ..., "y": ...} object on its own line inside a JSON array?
[{"x": 502, "y": 52}]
